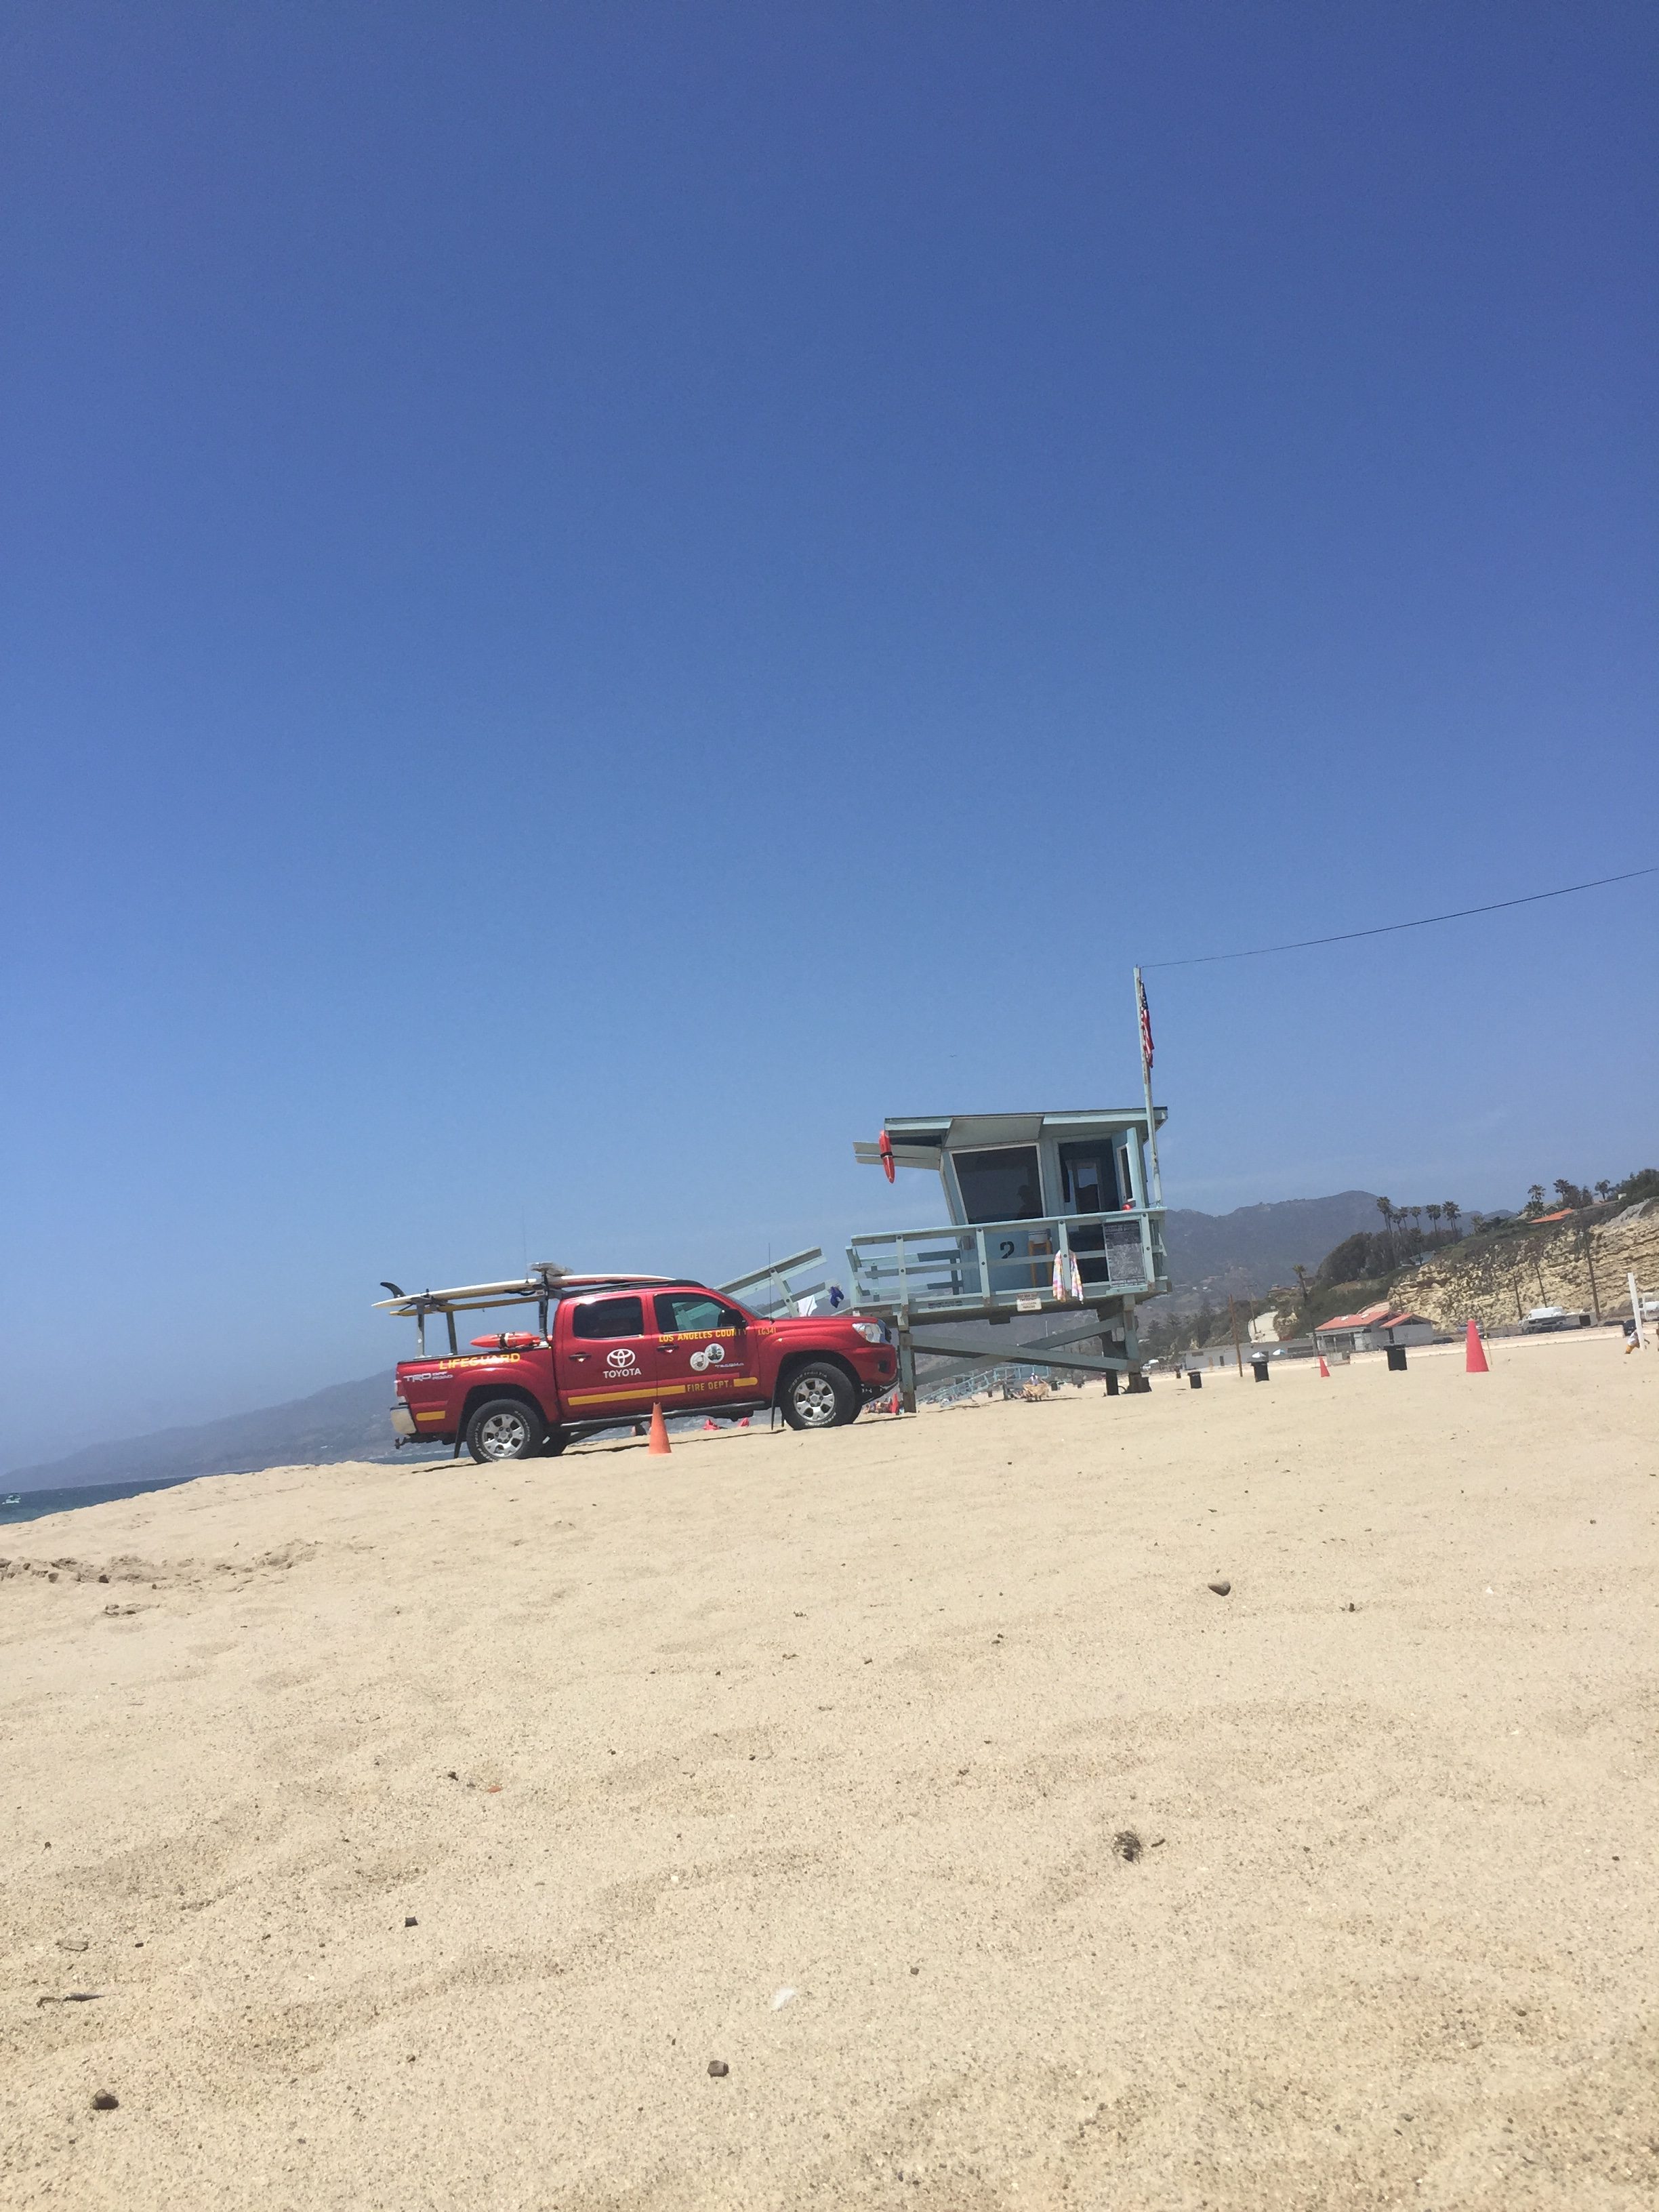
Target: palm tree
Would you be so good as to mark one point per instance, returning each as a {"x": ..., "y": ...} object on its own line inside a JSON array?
[
  {"x": 1451, "y": 1213},
  {"x": 1416, "y": 1213},
  {"x": 1434, "y": 1213},
  {"x": 1385, "y": 1208},
  {"x": 1604, "y": 1189},
  {"x": 1534, "y": 1198}
]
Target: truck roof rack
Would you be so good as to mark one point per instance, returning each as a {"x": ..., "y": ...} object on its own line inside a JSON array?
[
  {"x": 528, "y": 1289},
  {"x": 550, "y": 1282}
]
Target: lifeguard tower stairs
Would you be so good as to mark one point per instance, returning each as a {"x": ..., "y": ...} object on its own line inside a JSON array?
[{"x": 1047, "y": 1214}]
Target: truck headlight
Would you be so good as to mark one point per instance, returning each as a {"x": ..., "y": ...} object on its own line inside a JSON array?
[{"x": 871, "y": 1331}]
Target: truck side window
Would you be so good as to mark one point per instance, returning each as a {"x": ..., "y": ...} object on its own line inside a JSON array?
[
  {"x": 688, "y": 1313},
  {"x": 609, "y": 1317}
]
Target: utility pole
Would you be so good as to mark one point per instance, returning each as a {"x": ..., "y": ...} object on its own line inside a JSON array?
[
  {"x": 1232, "y": 1316},
  {"x": 1589, "y": 1262}
]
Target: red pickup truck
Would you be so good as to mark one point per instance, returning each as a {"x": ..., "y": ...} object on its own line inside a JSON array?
[{"x": 611, "y": 1349}]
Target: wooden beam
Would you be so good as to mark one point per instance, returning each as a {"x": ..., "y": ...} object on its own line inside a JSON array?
[
  {"x": 1024, "y": 1355},
  {"x": 762, "y": 1274}
]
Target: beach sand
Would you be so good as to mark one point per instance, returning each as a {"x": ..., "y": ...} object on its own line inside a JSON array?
[{"x": 425, "y": 1832}]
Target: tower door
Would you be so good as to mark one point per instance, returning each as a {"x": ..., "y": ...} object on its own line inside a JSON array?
[
  {"x": 1088, "y": 1179},
  {"x": 1088, "y": 1182}
]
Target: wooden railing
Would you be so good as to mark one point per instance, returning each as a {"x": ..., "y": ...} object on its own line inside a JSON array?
[{"x": 1009, "y": 1265}]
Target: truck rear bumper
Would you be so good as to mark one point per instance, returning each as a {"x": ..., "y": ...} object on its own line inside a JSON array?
[{"x": 402, "y": 1421}]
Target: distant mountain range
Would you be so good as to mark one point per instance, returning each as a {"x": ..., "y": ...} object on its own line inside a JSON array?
[
  {"x": 1246, "y": 1252},
  {"x": 348, "y": 1420},
  {"x": 1256, "y": 1248}
]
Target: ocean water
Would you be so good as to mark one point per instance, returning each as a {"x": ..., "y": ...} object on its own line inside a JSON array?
[{"x": 36, "y": 1503}]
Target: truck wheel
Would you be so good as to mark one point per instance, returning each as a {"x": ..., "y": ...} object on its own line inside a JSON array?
[
  {"x": 503, "y": 1428},
  {"x": 819, "y": 1397}
]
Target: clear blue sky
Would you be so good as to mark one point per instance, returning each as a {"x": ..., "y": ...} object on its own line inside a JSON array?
[{"x": 596, "y": 597}]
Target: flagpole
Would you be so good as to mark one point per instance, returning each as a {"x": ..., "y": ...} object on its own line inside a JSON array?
[{"x": 1143, "y": 1023}]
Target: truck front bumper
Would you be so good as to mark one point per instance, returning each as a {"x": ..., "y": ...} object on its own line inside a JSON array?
[{"x": 879, "y": 1374}]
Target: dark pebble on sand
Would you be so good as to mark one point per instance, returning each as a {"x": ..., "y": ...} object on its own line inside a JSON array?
[
  {"x": 719, "y": 2069},
  {"x": 1128, "y": 1845},
  {"x": 1220, "y": 1589},
  {"x": 410, "y": 1921},
  {"x": 103, "y": 2102}
]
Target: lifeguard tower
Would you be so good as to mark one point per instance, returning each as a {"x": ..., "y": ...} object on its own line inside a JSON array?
[{"x": 1048, "y": 1213}]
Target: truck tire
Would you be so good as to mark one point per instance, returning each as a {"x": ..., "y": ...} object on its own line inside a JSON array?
[
  {"x": 819, "y": 1397},
  {"x": 504, "y": 1428}
]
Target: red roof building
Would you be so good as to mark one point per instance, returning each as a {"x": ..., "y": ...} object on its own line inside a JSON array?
[{"x": 1373, "y": 1330}]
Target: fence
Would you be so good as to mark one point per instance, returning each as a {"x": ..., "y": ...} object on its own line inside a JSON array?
[{"x": 1011, "y": 1376}]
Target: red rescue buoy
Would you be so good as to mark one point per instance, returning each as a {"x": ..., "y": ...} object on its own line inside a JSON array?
[
  {"x": 884, "y": 1146},
  {"x": 517, "y": 1342}
]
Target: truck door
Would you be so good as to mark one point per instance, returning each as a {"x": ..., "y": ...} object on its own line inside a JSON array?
[
  {"x": 705, "y": 1352},
  {"x": 607, "y": 1364}
]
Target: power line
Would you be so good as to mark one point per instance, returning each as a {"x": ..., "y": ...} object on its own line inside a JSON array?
[{"x": 1388, "y": 929}]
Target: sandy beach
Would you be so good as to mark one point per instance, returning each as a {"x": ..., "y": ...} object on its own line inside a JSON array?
[{"x": 395, "y": 1837}]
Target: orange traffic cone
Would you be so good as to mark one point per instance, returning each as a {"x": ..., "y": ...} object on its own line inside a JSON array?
[
  {"x": 659, "y": 1443},
  {"x": 711, "y": 1422},
  {"x": 893, "y": 1403},
  {"x": 1323, "y": 1369},
  {"x": 1474, "y": 1353},
  {"x": 744, "y": 1422}
]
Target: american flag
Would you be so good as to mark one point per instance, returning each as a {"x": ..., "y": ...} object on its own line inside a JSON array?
[{"x": 1146, "y": 1024}]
